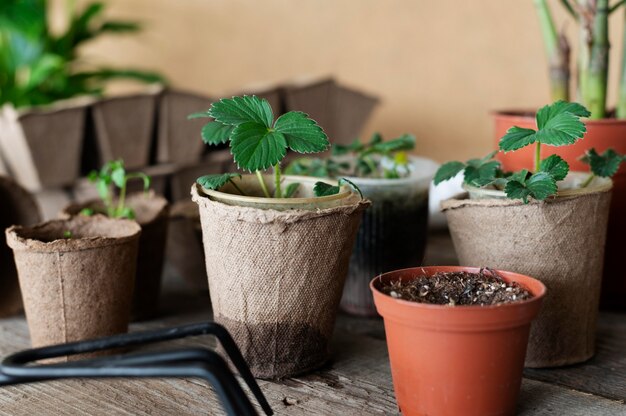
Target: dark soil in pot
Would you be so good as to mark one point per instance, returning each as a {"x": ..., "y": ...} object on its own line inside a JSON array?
[
  {"x": 152, "y": 214},
  {"x": 17, "y": 208},
  {"x": 457, "y": 288}
]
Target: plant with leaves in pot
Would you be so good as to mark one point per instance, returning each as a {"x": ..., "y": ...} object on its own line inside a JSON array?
[
  {"x": 605, "y": 127},
  {"x": 80, "y": 287},
  {"x": 149, "y": 210},
  {"x": 393, "y": 232},
  {"x": 548, "y": 223},
  {"x": 276, "y": 253},
  {"x": 457, "y": 337}
]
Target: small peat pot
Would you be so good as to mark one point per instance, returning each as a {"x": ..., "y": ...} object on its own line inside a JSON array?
[
  {"x": 76, "y": 276},
  {"x": 152, "y": 214},
  {"x": 393, "y": 232},
  {"x": 465, "y": 359},
  {"x": 560, "y": 241},
  {"x": 276, "y": 268},
  {"x": 17, "y": 208}
]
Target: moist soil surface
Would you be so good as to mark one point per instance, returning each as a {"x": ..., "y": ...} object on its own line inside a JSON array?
[{"x": 458, "y": 288}]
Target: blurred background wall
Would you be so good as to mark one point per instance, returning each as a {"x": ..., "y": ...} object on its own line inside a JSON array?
[{"x": 438, "y": 66}]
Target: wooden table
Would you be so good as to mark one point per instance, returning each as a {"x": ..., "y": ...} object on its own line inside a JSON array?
[{"x": 356, "y": 382}]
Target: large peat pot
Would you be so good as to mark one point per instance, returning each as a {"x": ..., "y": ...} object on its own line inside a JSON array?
[
  {"x": 76, "y": 276},
  {"x": 559, "y": 241},
  {"x": 393, "y": 232},
  {"x": 601, "y": 135},
  {"x": 276, "y": 269},
  {"x": 152, "y": 214},
  {"x": 462, "y": 360}
]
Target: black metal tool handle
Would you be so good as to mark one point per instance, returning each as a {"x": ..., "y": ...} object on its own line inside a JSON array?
[{"x": 194, "y": 362}]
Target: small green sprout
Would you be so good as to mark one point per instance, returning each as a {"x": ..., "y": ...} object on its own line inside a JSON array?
[
  {"x": 67, "y": 234},
  {"x": 374, "y": 159},
  {"x": 558, "y": 124},
  {"x": 257, "y": 141},
  {"x": 113, "y": 174}
]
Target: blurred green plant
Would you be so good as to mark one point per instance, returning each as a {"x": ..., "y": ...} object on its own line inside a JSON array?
[{"x": 38, "y": 67}]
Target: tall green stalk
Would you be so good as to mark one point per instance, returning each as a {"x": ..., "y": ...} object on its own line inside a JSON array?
[
  {"x": 599, "y": 61},
  {"x": 557, "y": 50},
  {"x": 620, "y": 111}
]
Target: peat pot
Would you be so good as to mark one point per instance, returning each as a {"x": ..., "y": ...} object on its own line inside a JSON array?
[
  {"x": 393, "y": 232},
  {"x": 152, "y": 214},
  {"x": 276, "y": 269},
  {"x": 76, "y": 276},
  {"x": 17, "y": 208},
  {"x": 601, "y": 135},
  {"x": 462, "y": 360},
  {"x": 559, "y": 241}
]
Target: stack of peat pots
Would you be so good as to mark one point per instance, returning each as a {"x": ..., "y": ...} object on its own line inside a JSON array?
[{"x": 276, "y": 269}]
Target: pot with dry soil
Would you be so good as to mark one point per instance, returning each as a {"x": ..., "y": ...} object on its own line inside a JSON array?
[
  {"x": 457, "y": 337},
  {"x": 76, "y": 276}
]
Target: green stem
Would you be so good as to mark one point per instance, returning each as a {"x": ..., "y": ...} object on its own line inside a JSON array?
[
  {"x": 278, "y": 192},
  {"x": 237, "y": 188},
  {"x": 599, "y": 62},
  {"x": 121, "y": 200},
  {"x": 620, "y": 111},
  {"x": 537, "y": 156},
  {"x": 557, "y": 50},
  {"x": 588, "y": 180},
  {"x": 262, "y": 182}
]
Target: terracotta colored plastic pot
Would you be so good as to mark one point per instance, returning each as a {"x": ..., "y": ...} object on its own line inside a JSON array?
[
  {"x": 601, "y": 135},
  {"x": 463, "y": 360}
]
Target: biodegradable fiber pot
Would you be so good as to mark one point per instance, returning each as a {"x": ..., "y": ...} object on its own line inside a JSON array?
[
  {"x": 80, "y": 287},
  {"x": 276, "y": 274},
  {"x": 393, "y": 232},
  {"x": 152, "y": 214},
  {"x": 462, "y": 360},
  {"x": 17, "y": 207},
  {"x": 560, "y": 242},
  {"x": 601, "y": 135}
]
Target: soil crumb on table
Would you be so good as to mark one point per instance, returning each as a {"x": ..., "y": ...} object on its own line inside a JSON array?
[{"x": 458, "y": 288}]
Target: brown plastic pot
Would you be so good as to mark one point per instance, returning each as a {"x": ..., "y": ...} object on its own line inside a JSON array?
[
  {"x": 601, "y": 135},
  {"x": 80, "y": 287},
  {"x": 152, "y": 214},
  {"x": 462, "y": 360},
  {"x": 17, "y": 208}
]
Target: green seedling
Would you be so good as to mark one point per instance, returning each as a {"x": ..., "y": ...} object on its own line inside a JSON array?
[
  {"x": 558, "y": 124},
  {"x": 67, "y": 234},
  {"x": 113, "y": 174},
  {"x": 373, "y": 159},
  {"x": 258, "y": 141}
]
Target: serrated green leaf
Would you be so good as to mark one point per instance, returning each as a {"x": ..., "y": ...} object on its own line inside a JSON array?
[
  {"x": 324, "y": 189},
  {"x": 519, "y": 176},
  {"x": 484, "y": 173},
  {"x": 517, "y": 190},
  {"x": 256, "y": 147},
  {"x": 541, "y": 185},
  {"x": 200, "y": 114},
  {"x": 215, "y": 132},
  {"x": 448, "y": 171},
  {"x": 303, "y": 135},
  {"x": 561, "y": 130},
  {"x": 605, "y": 165},
  {"x": 516, "y": 138},
  {"x": 239, "y": 110},
  {"x": 550, "y": 111},
  {"x": 404, "y": 142},
  {"x": 216, "y": 181},
  {"x": 555, "y": 166},
  {"x": 291, "y": 189}
]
